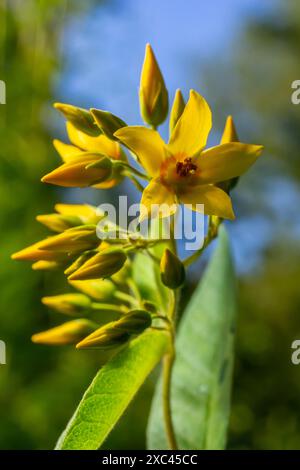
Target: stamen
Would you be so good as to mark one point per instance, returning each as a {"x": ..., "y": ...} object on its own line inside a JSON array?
[{"x": 186, "y": 167}]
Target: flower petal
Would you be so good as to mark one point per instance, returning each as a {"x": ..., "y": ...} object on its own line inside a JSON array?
[
  {"x": 66, "y": 151},
  {"x": 215, "y": 200},
  {"x": 226, "y": 161},
  {"x": 192, "y": 129},
  {"x": 157, "y": 199},
  {"x": 147, "y": 144},
  {"x": 101, "y": 144}
]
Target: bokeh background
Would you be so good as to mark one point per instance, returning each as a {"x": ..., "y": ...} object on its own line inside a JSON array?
[{"x": 243, "y": 57}]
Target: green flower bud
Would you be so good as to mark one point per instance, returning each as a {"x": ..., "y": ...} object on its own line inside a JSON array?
[
  {"x": 70, "y": 304},
  {"x": 116, "y": 333},
  {"x": 171, "y": 270},
  {"x": 101, "y": 265},
  {"x": 107, "y": 122},
  {"x": 68, "y": 333},
  {"x": 78, "y": 262},
  {"x": 153, "y": 93},
  {"x": 134, "y": 322},
  {"x": 149, "y": 306},
  {"x": 80, "y": 118}
]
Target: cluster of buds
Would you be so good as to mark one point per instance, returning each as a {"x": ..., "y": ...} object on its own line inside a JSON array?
[{"x": 180, "y": 171}]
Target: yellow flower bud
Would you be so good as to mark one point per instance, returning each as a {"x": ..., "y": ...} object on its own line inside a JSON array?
[
  {"x": 66, "y": 151},
  {"x": 229, "y": 135},
  {"x": 79, "y": 262},
  {"x": 70, "y": 304},
  {"x": 171, "y": 270},
  {"x": 46, "y": 265},
  {"x": 73, "y": 240},
  {"x": 153, "y": 93},
  {"x": 80, "y": 118},
  {"x": 86, "y": 212},
  {"x": 36, "y": 253},
  {"x": 99, "y": 289},
  {"x": 107, "y": 122},
  {"x": 58, "y": 223},
  {"x": 100, "y": 265},
  {"x": 87, "y": 169},
  {"x": 68, "y": 333},
  {"x": 116, "y": 333},
  {"x": 176, "y": 111}
]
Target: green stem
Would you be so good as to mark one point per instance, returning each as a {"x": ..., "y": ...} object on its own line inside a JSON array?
[
  {"x": 133, "y": 170},
  {"x": 168, "y": 363},
  {"x": 135, "y": 181},
  {"x": 125, "y": 297},
  {"x": 212, "y": 233},
  {"x": 167, "y": 375},
  {"x": 109, "y": 307}
]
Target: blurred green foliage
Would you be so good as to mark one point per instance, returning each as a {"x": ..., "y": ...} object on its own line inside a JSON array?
[
  {"x": 39, "y": 387},
  {"x": 266, "y": 398}
]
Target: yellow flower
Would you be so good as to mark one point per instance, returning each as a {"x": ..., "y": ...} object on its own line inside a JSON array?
[
  {"x": 87, "y": 161},
  {"x": 182, "y": 171}
]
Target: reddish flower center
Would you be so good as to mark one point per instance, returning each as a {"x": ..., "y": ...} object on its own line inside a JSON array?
[{"x": 186, "y": 168}]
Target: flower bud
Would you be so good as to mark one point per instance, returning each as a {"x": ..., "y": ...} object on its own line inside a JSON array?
[
  {"x": 59, "y": 223},
  {"x": 86, "y": 212},
  {"x": 35, "y": 252},
  {"x": 73, "y": 240},
  {"x": 43, "y": 265},
  {"x": 134, "y": 322},
  {"x": 229, "y": 135},
  {"x": 171, "y": 270},
  {"x": 153, "y": 93},
  {"x": 116, "y": 333},
  {"x": 100, "y": 266},
  {"x": 85, "y": 170},
  {"x": 107, "y": 122},
  {"x": 66, "y": 151},
  {"x": 70, "y": 304},
  {"x": 80, "y": 118},
  {"x": 149, "y": 306},
  {"x": 99, "y": 289},
  {"x": 105, "y": 338},
  {"x": 68, "y": 333},
  {"x": 79, "y": 262},
  {"x": 176, "y": 111}
]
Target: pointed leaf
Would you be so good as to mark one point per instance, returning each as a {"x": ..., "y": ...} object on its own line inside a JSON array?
[{"x": 202, "y": 374}]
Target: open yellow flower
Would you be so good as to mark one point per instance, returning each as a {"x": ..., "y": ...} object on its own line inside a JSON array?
[{"x": 182, "y": 171}]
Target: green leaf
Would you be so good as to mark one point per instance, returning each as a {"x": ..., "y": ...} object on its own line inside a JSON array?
[
  {"x": 202, "y": 375},
  {"x": 111, "y": 392}
]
